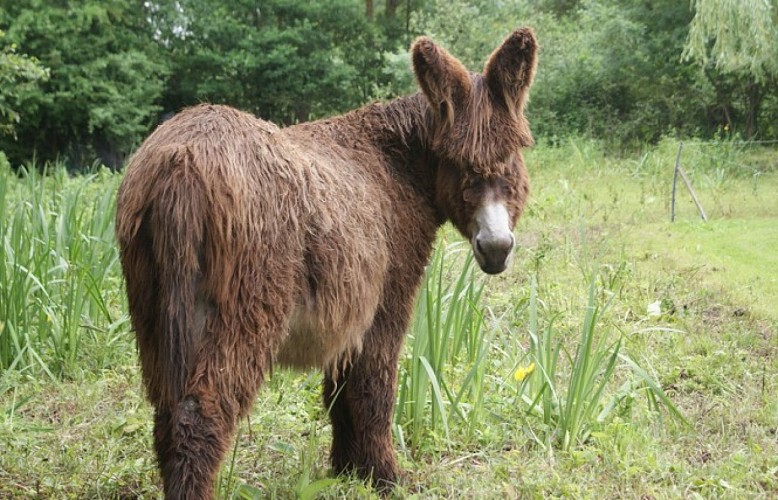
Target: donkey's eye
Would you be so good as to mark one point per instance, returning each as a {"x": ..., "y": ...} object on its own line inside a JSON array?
[
  {"x": 507, "y": 189},
  {"x": 470, "y": 195},
  {"x": 473, "y": 190}
]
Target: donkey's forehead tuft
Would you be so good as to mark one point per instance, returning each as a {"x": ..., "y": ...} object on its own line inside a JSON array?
[{"x": 484, "y": 134}]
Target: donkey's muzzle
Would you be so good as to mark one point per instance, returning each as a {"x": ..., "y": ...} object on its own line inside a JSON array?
[
  {"x": 493, "y": 254},
  {"x": 492, "y": 238}
]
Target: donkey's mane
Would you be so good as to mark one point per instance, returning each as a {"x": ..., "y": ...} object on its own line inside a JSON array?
[
  {"x": 399, "y": 127},
  {"x": 475, "y": 136}
]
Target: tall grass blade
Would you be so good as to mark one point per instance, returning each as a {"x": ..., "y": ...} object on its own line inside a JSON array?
[
  {"x": 447, "y": 332},
  {"x": 438, "y": 401},
  {"x": 656, "y": 391}
]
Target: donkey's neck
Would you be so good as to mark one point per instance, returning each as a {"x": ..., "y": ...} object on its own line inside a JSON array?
[
  {"x": 398, "y": 126},
  {"x": 392, "y": 136},
  {"x": 398, "y": 132}
]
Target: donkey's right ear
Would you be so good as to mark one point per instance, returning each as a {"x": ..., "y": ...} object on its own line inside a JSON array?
[{"x": 442, "y": 78}]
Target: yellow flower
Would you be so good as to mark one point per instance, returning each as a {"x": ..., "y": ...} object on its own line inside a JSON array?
[{"x": 523, "y": 373}]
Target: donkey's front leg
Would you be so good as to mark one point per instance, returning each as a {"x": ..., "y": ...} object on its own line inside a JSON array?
[{"x": 361, "y": 406}]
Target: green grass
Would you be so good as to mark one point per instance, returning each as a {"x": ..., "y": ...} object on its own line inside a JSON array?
[
  {"x": 605, "y": 296},
  {"x": 58, "y": 258},
  {"x": 569, "y": 404},
  {"x": 736, "y": 257}
]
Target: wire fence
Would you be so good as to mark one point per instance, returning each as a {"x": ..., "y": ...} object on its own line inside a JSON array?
[
  {"x": 734, "y": 143},
  {"x": 727, "y": 161},
  {"x": 730, "y": 149}
]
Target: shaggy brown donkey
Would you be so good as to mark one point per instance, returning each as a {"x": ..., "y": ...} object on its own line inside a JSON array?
[{"x": 245, "y": 245}]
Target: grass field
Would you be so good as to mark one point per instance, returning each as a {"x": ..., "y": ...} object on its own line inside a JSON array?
[{"x": 514, "y": 405}]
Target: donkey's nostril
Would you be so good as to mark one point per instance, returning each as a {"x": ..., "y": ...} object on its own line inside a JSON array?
[{"x": 479, "y": 247}]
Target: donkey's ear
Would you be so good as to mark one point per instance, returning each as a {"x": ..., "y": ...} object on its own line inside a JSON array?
[
  {"x": 442, "y": 78},
  {"x": 511, "y": 69}
]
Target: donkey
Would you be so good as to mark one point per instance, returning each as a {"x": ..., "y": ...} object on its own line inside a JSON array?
[{"x": 244, "y": 245}]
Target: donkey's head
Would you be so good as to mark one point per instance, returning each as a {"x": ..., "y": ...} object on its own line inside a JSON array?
[{"x": 476, "y": 128}]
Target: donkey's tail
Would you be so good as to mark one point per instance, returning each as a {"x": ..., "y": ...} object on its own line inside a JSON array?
[
  {"x": 161, "y": 227},
  {"x": 178, "y": 215}
]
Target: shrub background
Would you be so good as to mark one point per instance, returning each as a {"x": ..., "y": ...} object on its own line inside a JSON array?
[{"x": 627, "y": 72}]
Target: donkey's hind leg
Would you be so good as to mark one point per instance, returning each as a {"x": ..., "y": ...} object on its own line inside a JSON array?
[
  {"x": 191, "y": 439},
  {"x": 193, "y": 436}
]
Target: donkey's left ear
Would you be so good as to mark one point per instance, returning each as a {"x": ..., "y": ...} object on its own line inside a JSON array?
[{"x": 511, "y": 69}]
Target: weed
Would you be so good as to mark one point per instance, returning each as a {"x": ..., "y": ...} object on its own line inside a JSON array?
[
  {"x": 569, "y": 411},
  {"x": 447, "y": 330}
]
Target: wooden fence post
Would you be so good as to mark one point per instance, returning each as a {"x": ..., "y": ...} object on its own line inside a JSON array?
[
  {"x": 675, "y": 181},
  {"x": 679, "y": 170}
]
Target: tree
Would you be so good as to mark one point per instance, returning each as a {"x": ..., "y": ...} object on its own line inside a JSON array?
[
  {"x": 736, "y": 43},
  {"x": 105, "y": 79},
  {"x": 737, "y": 36},
  {"x": 19, "y": 74},
  {"x": 286, "y": 61}
]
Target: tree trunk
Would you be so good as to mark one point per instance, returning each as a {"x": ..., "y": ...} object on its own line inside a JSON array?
[
  {"x": 369, "y": 9},
  {"x": 391, "y": 7},
  {"x": 754, "y": 95}
]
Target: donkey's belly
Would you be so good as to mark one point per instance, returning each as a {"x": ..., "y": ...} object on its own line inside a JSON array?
[
  {"x": 344, "y": 267},
  {"x": 311, "y": 343}
]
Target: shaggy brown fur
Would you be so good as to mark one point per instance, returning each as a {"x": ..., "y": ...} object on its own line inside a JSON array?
[{"x": 245, "y": 245}]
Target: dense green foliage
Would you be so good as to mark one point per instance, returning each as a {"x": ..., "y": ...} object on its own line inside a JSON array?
[
  {"x": 106, "y": 79},
  {"x": 738, "y": 36},
  {"x": 628, "y": 71},
  {"x": 18, "y": 72},
  {"x": 284, "y": 60}
]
